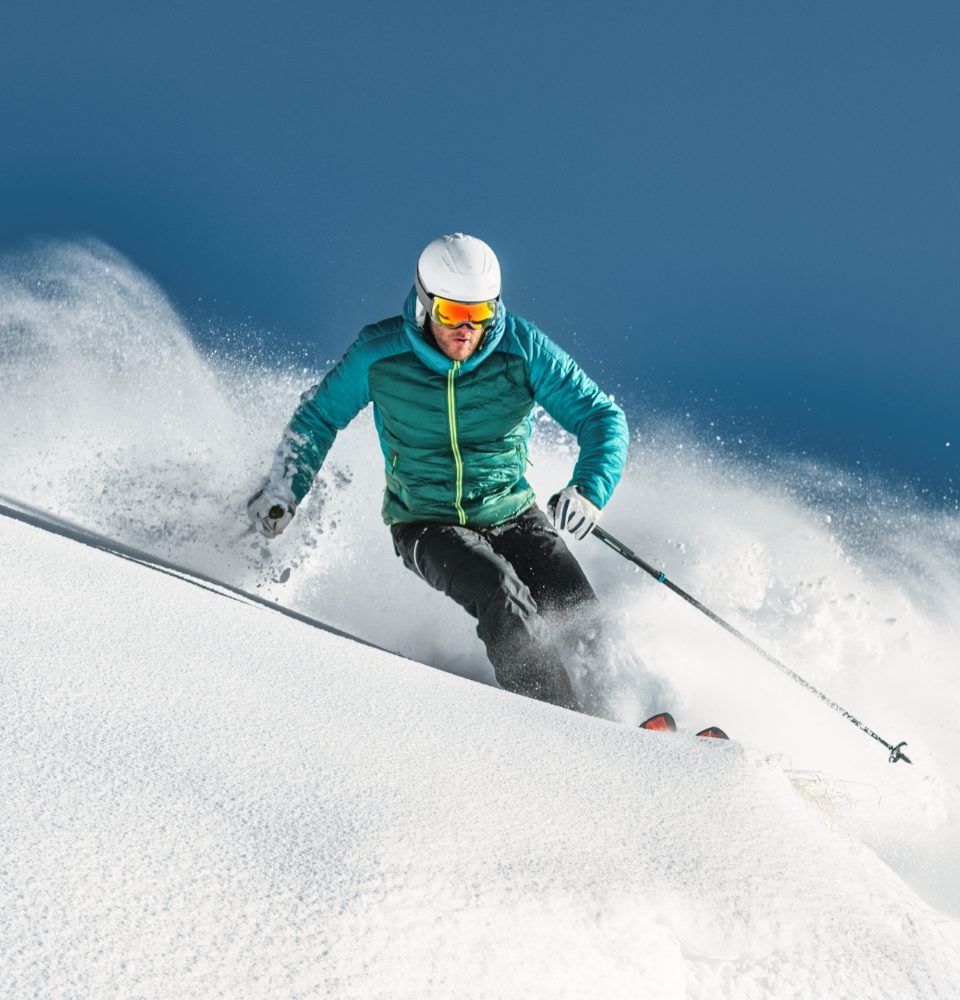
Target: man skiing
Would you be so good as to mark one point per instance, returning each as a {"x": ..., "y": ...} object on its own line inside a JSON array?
[{"x": 453, "y": 381}]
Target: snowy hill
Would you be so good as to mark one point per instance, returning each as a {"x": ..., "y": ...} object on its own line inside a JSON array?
[{"x": 204, "y": 798}]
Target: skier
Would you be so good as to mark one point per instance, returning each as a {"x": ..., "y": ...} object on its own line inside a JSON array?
[{"x": 453, "y": 382}]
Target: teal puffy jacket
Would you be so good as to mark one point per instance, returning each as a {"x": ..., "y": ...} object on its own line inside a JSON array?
[{"x": 454, "y": 434}]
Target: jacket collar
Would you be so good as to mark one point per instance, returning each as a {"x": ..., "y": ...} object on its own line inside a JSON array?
[{"x": 434, "y": 358}]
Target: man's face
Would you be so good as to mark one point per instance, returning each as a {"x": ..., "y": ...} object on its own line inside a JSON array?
[{"x": 457, "y": 343}]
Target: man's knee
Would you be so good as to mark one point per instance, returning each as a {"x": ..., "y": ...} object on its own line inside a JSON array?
[
  {"x": 543, "y": 561},
  {"x": 461, "y": 563}
]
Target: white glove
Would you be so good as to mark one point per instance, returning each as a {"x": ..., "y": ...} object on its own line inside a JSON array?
[
  {"x": 270, "y": 510},
  {"x": 573, "y": 512}
]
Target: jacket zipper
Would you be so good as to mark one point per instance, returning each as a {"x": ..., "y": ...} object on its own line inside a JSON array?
[{"x": 455, "y": 447}]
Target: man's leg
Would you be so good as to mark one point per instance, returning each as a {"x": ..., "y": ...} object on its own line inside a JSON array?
[
  {"x": 541, "y": 559},
  {"x": 463, "y": 564}
]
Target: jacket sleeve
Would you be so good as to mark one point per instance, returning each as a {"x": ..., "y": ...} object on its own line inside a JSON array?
[
  {"x": 576, "y": 402},
  {"x": 324, "y": 410}
]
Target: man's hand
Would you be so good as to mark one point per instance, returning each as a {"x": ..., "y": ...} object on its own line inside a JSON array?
[
  {"x": 270, "y": 510},
  {"x": 572, "y": 512}
]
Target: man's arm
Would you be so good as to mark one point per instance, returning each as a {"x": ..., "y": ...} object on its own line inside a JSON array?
[
  {"x": 324, "y": 410},
  {"x": 576, "y": 402}
]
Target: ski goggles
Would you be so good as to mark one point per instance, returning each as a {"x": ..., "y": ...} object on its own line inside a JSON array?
[{"x": 478, "y": 315}]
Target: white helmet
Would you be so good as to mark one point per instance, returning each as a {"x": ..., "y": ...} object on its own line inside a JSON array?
[{"x": 457, "y": 267}]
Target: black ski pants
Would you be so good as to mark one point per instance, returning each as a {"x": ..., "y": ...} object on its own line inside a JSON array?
[{"x": 509, "y": 578}]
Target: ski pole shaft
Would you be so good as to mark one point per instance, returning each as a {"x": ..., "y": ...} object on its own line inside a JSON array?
[{"x": 896, "y": 751}]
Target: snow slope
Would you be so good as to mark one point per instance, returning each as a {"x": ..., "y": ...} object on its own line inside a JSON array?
[
  {"x": 113, "y": 419},
  {"x": 203, "y": 798}
]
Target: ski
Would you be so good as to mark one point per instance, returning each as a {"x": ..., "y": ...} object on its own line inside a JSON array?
[
  {"x": 713, "y": 732},
  {"x": 664, "y": 722}
]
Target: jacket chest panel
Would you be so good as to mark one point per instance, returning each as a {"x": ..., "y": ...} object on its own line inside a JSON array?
[
  {"x": 415, "y": 402},
  {"x": 492, "y": 399}
]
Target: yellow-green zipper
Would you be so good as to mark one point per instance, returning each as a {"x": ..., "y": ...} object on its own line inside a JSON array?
[{"x": 457, "y": 460}]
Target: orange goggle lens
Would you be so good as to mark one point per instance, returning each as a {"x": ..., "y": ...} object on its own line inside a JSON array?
[{"x": 450, "y": 313}]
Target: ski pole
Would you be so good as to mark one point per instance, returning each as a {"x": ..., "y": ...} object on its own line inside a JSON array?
[{"x": 896, "y": 752}]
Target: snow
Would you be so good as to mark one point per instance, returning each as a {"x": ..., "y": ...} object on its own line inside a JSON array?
[
  {"x": 201, "y": 797},
  {"x": 207, "y": 799}
]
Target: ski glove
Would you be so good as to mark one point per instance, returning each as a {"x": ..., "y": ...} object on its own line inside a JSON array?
[
  {"x": 270, "y": 510},
  {"x": 573, "y": 512}
]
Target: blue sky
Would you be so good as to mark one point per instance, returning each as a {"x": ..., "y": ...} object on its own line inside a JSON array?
[{"x": 750, "y": 209}]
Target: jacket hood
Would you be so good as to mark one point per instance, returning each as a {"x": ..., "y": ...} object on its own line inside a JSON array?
[{"x": 428, "y": 353}]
